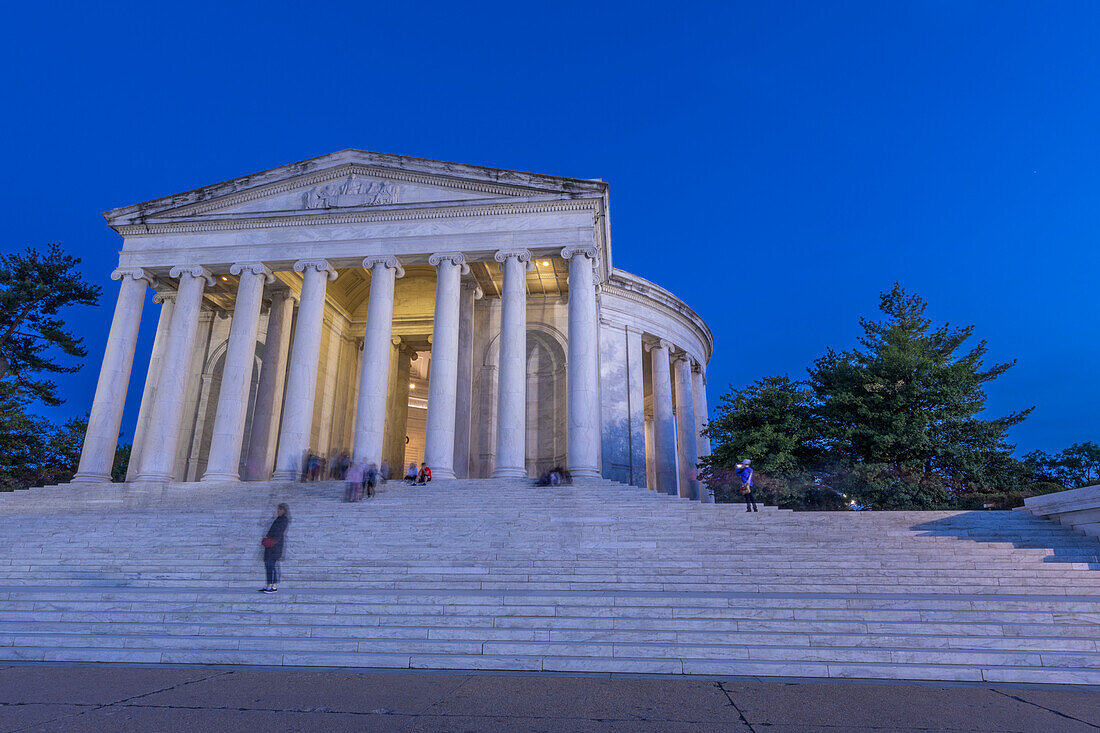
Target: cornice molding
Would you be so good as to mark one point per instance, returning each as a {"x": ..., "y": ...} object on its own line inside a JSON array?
[{"x": 359, "y": 217}]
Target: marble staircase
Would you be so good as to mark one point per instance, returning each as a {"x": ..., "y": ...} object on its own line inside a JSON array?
[{"x": 499, "y": 574}]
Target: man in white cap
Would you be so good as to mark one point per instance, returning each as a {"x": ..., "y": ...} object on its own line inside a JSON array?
[{"x": 744, "y": 472}]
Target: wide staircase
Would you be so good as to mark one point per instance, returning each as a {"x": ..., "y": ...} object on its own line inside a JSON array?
[{"x": 502, "y": 575}]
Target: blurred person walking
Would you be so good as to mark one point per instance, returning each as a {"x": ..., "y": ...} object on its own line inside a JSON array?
[
  {"x": 354, "y": 478},
  {"x": 372, "y": 479}
]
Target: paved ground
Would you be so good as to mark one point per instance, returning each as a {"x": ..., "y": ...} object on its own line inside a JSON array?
[{"x": 108, "y": 698}]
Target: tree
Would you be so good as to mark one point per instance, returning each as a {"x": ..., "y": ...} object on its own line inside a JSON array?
[
  {"x": 770, "y": 421},
  {"x": 894, "y": 424},
  {"x": 909, "y": 400},
  {"x": 1073, "y": 467},
  {"x": 34, "y": 287}
]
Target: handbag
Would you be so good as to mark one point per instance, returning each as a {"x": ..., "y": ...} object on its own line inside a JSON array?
[
  {"x": 268, "y": 542},
  {"x": 745, "y": 488}
]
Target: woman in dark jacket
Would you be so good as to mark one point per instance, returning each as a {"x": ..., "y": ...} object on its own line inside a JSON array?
[{"x": 273, "y": 543}]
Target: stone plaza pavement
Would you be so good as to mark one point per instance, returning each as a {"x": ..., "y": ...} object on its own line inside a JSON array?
[
  {"x": 106, "y": 698},
  {"x": 501, "y": 575}
]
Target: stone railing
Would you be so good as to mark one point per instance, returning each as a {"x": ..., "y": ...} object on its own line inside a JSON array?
[{"x": 1077, "y": 508}]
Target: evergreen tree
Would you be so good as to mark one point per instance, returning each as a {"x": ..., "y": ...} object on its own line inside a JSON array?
[
  {"x": 34, "y": 287},
  {"x": 893, "y": 424},
  {"x": 910, "y": 400}
]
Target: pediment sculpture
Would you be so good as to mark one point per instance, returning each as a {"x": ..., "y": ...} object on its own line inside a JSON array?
[{"x": 352, "y": 191}]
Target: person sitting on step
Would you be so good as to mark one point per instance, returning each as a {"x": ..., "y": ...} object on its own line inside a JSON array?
[{"x": 425, "y": 474}]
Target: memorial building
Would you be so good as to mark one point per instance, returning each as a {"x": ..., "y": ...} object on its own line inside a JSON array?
[{"x": 400, "y": 310}]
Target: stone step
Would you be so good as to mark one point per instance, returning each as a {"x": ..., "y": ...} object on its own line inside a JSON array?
[{"x": 502, "y": 575}]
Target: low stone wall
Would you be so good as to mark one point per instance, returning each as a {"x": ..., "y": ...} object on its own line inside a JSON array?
[{"x": 1077, "y": 508}]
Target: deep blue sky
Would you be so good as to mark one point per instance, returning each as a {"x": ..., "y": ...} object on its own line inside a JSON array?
[{"x": 775, "y": 164}]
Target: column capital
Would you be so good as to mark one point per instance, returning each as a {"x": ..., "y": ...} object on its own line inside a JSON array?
[
  {"x": 658, "y": 344},
  {"x": 196, "y": 271},
  {"x": 134, "y": 273},
  {"x": 456, "y": 258},
  {"x": 320, "y": 265},
  {"x": 679, "y": 356},
  {"x": 698, "y": 367},
  {"x": 388, "y": 261},
  {"x": 523, "y": 255},
  {"x": 280, "y": 293},
  {"x": 167, "y": 296},
  {"x": 472, "y": 285},
  {"x": 256, "y": 268},
  {"x": 585, "y": 250}
]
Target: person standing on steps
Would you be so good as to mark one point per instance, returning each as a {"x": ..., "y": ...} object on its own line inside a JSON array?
[
  {"x": 744, "y": 472},
  {"x": 273, "y": 543},
  {"x": 372, "y": 479}
]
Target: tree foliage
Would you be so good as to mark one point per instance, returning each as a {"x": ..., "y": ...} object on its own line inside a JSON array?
[
  {"x": 896, "y": 423},
  {"x": 1074, "y": 467},
  {"x": 34, "y": 451},
  {"x": 34, "y": 287}
]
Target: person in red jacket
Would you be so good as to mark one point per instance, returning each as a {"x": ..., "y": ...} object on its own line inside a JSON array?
[{"x": 425, "y": 474}]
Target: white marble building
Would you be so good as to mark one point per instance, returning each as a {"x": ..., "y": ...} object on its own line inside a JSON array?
[{"x": 401, "y": 310}]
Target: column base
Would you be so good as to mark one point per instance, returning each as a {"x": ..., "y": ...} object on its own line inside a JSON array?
[
  {"x": 220, "y": 477},
  {"x": 510, "y": 473},
  {"x": 584, "y": 472},
  {"x": 91, "y": 478},
  {"x": 443, "y": 473},
  {"x": 286, "y": 475},
  {"x": 161, "y": 478}
]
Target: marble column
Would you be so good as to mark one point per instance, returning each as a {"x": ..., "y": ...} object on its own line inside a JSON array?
[
  {"x": 664, "y": 425},
  {"x": 260, "y": 460},
  {"x": 370, "y": 412},
  {"x": 388, "y": 436},
  {"x": 699, "y": 393},
  {"x": 105, "y": 420},
  {"x": 583, "y": 399},
  {"x": 227, "y": 437},
  {"x": 464, "y": 393},
  {"x": 636, "y": 401},
  {"x": 512, "y": 370},
  {"x": 301, "y": 382},
  {"x": 167, "y": 301},
  {"x": 159, "y": 460},
  {"x": 398, "y": 410},
  {"x": 688, "y": 436},
  {"x": 439, "y": 443}
]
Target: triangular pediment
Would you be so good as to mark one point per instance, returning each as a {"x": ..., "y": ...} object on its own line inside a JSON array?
[{"x": 350, "y": 181}]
